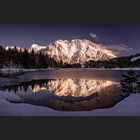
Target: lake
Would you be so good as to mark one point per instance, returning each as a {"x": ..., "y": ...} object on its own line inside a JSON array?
[{"x": 67, "y": 90}]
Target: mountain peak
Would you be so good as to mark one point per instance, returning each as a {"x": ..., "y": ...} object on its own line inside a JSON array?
[
  {"x": 34, "y": 45},
  {"x": 78, "y": 51},
  {"x": 37, "y": 48},
  {"x": 13, "y": 47}
]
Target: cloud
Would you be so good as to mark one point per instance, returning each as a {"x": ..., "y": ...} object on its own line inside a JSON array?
[
  {"x": 94, "y": 36},
  {"x": 118, "y": 48}
]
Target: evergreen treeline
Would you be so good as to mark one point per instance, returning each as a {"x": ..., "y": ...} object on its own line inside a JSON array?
[
  {"x": 24, "y": 59},
  {"x": 121, "y": 62},
  {"x": 25, "y": 85}
]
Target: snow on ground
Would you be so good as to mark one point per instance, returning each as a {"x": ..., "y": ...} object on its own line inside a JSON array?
[
  {"x": 16, "y": 70},
  {"x": 19, "y": 109},
  {"x": 135, "y": 68},
  {"x": 33, "y": 70},
  {"x": 128, "y": 107}
]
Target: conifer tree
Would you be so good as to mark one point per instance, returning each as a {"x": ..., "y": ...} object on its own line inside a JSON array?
[
  {"x": 129, "y": 83},
  {"x": 25, "y": 58}
]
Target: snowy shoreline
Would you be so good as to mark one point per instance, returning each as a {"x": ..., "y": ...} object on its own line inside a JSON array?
[
  {"x": 11, "y": 105},
  {"x": 33, "y": 70}
]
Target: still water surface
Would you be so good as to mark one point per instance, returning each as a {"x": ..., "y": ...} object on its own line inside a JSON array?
[{"x": 69, "y": 90}]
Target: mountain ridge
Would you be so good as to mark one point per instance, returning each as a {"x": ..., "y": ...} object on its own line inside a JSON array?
[{"x": 73, "y": 51}]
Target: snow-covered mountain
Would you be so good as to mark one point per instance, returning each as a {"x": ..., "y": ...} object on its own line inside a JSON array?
[
  {"x": 13, "y": 47},
  {"x": 78, "y": 51},
  {"x": 37, "y": 48},
  {"x": 74, "y": 51}
]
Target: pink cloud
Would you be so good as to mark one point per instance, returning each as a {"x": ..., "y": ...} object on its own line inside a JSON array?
[{"x": 118, "y": 48}]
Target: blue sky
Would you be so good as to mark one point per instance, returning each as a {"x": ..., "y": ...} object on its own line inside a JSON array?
[{"x": 122, "y": 38}]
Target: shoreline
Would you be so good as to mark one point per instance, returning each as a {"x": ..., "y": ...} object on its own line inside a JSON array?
[
  {"x": 126, "y": 107},
  {"x": 9, "y": 70}
]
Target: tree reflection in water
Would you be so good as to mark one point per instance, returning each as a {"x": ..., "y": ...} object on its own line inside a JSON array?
[{"x": 130, "y": 83}]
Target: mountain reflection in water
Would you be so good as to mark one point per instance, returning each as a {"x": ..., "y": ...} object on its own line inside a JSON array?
[{"x": 68, "y": 94}]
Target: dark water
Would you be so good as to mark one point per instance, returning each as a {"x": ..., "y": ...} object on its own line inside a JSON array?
[{"x": 69, "y": 90}]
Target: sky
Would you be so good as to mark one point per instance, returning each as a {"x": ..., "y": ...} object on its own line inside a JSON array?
[{"x": 123, "y": 39}]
